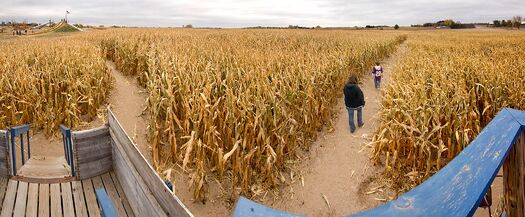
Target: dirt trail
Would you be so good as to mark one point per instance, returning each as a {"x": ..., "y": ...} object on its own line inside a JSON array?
[
  {"x": 338, "y": 163},
  {"x": 127, "y": 101}
]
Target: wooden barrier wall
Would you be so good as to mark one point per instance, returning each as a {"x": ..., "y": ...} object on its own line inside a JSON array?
[
  {"x": 92, "y": 152},
  {"x": 4, "y": 155},
  {"x": 145, "y": 190},
  {"x": 514, "y": 179}
]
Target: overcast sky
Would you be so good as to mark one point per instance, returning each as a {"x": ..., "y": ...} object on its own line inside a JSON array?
[{"x": 241, "y": 13}]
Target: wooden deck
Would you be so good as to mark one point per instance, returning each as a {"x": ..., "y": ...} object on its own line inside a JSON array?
[
  {"x": 45, "y": 168},
  {"x": 76, "y": 198}
]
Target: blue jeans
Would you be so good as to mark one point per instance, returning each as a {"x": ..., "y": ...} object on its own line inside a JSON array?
[
  {"x": 351, "y": 117},
  {"x": 377, "y": 82}
]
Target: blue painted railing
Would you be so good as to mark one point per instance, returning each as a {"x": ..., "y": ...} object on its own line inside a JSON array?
[
  {"x": 455, "y": 190},
  {"x": 14, "y": 132},
  {"x": 106, "y": 207},
  {"x": 68, "y": 147}
]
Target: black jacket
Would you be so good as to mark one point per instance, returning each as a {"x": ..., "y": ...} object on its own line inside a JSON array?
[{"x": 353, "y": 96}]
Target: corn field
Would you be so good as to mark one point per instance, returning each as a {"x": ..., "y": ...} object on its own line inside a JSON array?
[
  {"x": 240, "y": 103},
  {"x": 48, "y": 82},
  {"x": 448, "y": 87}
]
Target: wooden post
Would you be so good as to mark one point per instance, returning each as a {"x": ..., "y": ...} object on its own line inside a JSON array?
[{"x": 514, "y": 179}]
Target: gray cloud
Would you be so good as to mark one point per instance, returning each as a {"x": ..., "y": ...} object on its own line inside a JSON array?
[{"x": 236, "y": 13}]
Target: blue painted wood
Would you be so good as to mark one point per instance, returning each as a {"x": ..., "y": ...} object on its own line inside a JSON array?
[
  {"x": 455, "y": 190},
  {"x": 458, "y": 188},
  {"x": 519, "y": 116},
  {"x": 247, "y": 207},
  {"x": 106, "y": 207},
  {"x": 22, "y": 149},
  {"x": 28, "y": 146},
  {"x": 68, "y": 147},
  {"x": 19, "y": 131}
]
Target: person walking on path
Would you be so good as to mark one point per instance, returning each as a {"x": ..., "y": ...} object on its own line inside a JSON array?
[
  {"x": 377, "y": 71},
  {"x": 354, "y": 101}
]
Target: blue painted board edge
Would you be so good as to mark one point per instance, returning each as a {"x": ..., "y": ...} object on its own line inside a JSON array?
[
  {"x": 248, "y": 208},
  {"x": 106, "y": 207}
]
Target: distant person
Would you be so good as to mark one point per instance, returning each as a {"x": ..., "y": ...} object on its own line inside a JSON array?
[
  {"x": 377, "y": 71},
  {"x": 354, "y": 101}
]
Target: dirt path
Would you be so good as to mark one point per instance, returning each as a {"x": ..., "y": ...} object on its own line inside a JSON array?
[
  {"x": 338, "y": 164},
  {"x": 127, "y": 101}
]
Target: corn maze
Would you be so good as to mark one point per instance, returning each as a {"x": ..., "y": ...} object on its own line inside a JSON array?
[
  {"x": 444, "y": 92},
  {"x": 240, "y": 103},
  {"x": 48, "y": 82}
]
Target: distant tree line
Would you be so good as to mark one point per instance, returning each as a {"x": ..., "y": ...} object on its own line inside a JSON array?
[
  {"x": 448, "y": 23},
  {"x": 12, "y": 23},
  {"x": 515, "y": 22}
]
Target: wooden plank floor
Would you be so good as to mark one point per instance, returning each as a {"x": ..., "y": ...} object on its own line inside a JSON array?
[
  {"x": 77, "y": 198},
  {"x": 48, "y": 167}
]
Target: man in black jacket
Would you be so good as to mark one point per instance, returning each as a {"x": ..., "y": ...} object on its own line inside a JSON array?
[{"x": 354, "y": 101}]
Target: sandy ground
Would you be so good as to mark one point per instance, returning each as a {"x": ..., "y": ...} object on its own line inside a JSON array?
[{"x": 127, "y": 101}]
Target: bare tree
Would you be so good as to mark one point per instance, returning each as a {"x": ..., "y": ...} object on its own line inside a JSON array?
[{"x": 517, "y": 21}]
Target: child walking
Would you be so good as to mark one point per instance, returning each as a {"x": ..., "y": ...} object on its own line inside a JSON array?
[{"x": 377, "y": 71}]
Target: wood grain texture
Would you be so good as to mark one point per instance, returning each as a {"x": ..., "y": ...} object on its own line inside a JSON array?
[
  {"x": 92, "y": 150},
  {"x": 111, "y": 190},
  {"x": 32, "y": 200},
  {"x": 56, "y": 200},
  {"x": 91, "y": 198},
  {"x": 80, "y": 202},
  {"x": 21, "y": 200},
  {"x": 122, "y": 196},
  {"x": 171, "y": 205},
  {"x": 139, "y": 196},
  {"x": 43, "y": 200},
  {"x": 3, "y": 188},
  {"x": 9, "y": 201},
  {"x": 67, "y": 199},
  {"x": 514, "y": 179},
  {"x": 4, "y": 155}
]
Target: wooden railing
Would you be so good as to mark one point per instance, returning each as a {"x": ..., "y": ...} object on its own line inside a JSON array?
[
  {"x": 458, "y": 188},
  {"x": 147, "y": 193}
]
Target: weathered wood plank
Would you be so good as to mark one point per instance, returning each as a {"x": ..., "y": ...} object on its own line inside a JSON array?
[
  {"x": 67, "y": 199},
  {"x": 80, "y": 202},
  {"x": 56, "y": 200},
  {"x": 113, "y": 195},
  {"x": 91, "y": 198},
  {"x": 92, "y": 151},
  {"x": 457, "y": 189},
  {"x": 3, "y": 188},
  {"x": 9, "y": 201},
  {"x": 94, "y": 168},
  {"x": 84, "y": 135},
  {"x": 125, "y": 201},
  {"x": 169, "y": 202},
  {"x": 4, "y": 155},
  {"x": 97, "y": 182},
  {"x": 514, "y": 179},
  {"x": 139, "y": 196},
  {"x": 32, "y": 200},
  {"x": 21, "y": 200},
  {"x": 93, "y": 144},
  {"x": 43, "y": 200}
]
